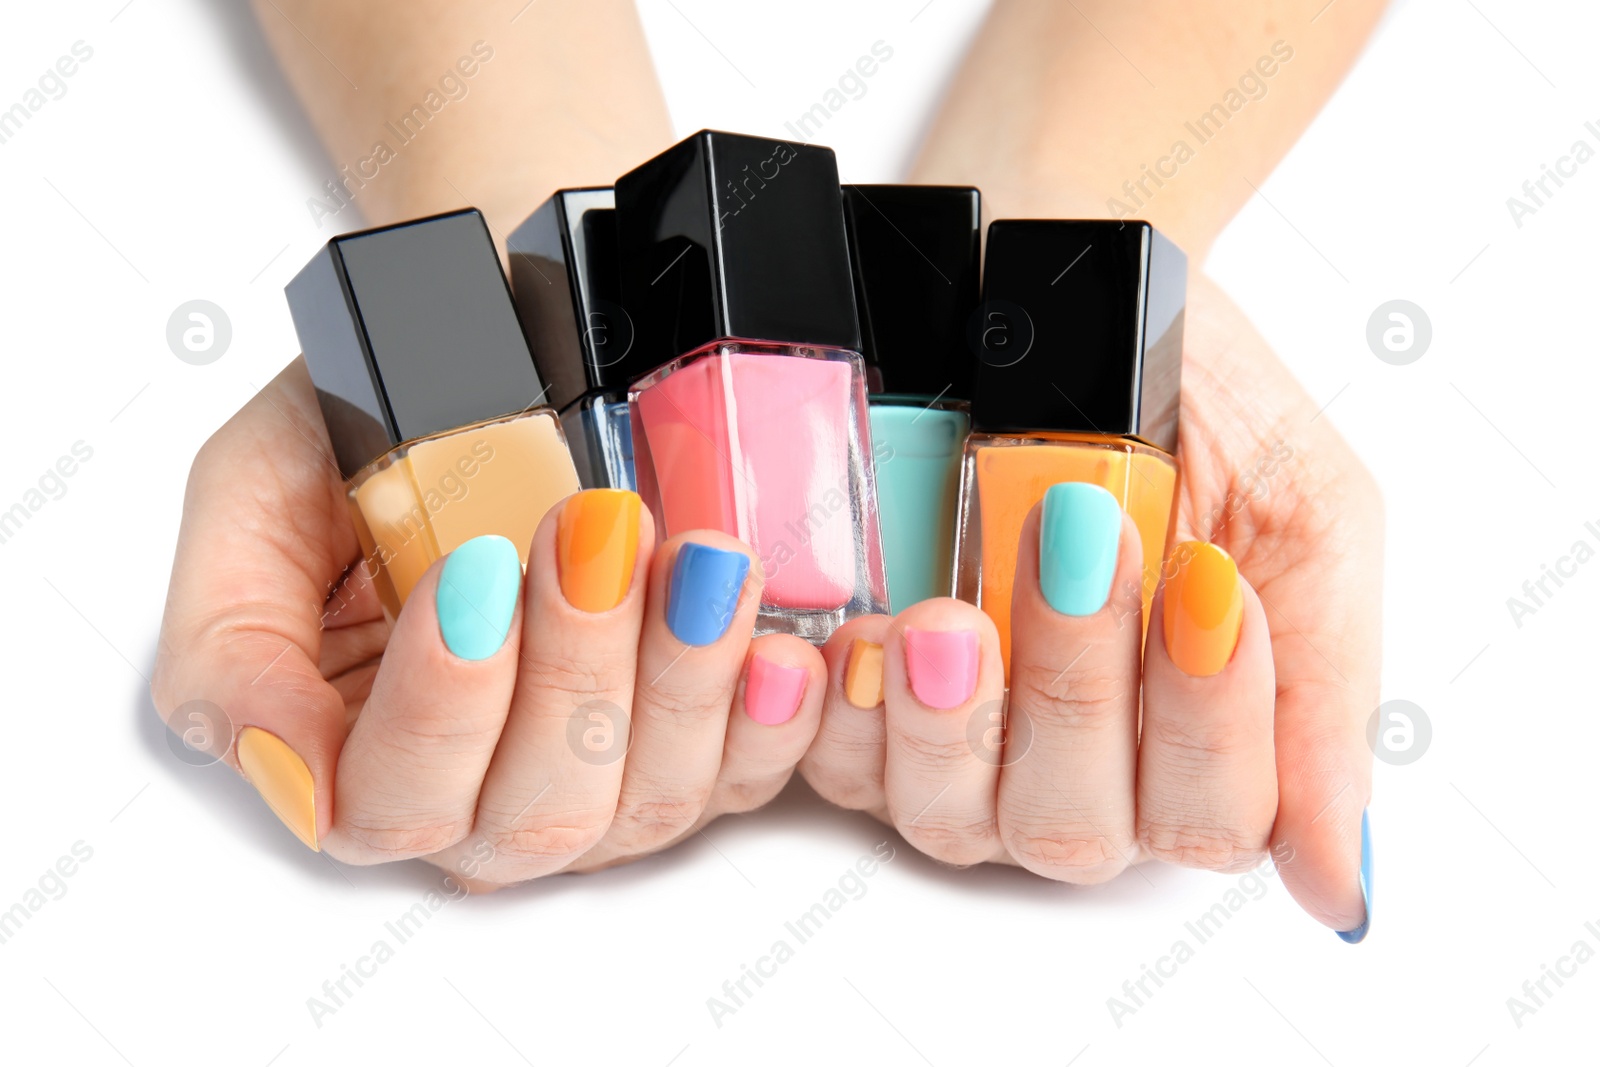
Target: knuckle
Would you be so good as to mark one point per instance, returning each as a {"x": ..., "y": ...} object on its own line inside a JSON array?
[
  {"x": 951, "y": 839},
  {"x": 645, "y": 824},
  {"x": 1192, "y": 745},
  {"x": 1206, "y": 848},
  {"x": 685, "y": 705},
  {"x": 598, "y": 674},
  {"x": 385, "y": 844},
  {"x": 1088, "y": 699},
  {"x": 1080, "y": 857},
  {"x": 853, "y": 792},
  {"x": 744, "y": 795},
  {"x": 540, "y": 844},
  {"x": 932, "y": 757}
]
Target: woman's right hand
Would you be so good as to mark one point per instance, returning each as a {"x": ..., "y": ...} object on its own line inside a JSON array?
[{"x": 603, "y": 706}]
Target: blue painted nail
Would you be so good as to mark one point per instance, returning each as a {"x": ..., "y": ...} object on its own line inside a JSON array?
[
  {"x": 1355, "y": 936},
  {"x": 477, "y": 594},
  {"x": 704, "y": 593},
  {"x": 1079, "y": 531}
]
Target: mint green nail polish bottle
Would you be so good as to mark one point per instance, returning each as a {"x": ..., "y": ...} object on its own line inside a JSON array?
[{"x": 914, "y": 257}]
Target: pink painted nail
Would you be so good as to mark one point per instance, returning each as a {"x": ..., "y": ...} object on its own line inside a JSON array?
[
  {"x": 772, "y": 693},
  {"x": 943, "y": 665}
]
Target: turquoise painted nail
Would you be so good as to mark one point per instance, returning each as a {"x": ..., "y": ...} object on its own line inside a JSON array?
[
  {"x": 1354, "y": 936},
  {"x": 1078, "y": 536},
  {"x": 477, "y": 594}
]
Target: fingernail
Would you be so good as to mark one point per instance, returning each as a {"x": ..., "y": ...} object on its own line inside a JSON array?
[
  {"x": 772, "y": 692},
  {"x": 704, "y": 592},
  {"x": 942, "y": 666},
  {"x": 283, "y": 780},
  {"x": 597, "y": 539},
  {"x": 1203, "y": 610},
  {"x": 863, "y": 674},
  {"x": 1354, "y": 937},
  {"x": 477, "y": 595},
  {"x": 1079, "y": 531}
]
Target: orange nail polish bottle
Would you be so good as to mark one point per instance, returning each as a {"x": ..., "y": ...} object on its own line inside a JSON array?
[
  {"x": 1081, "y": 343},
  {"x": 435, "y": 411}
]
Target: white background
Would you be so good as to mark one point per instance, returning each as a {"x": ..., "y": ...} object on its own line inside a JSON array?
[{"x": 177, "y": 167}]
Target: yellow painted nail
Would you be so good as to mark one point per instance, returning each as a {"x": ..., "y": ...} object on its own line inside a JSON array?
[
  {"x": 283, "y": 780},
  {"x": 1203, "y": 610},
  {"x": 863, "y": 674}
]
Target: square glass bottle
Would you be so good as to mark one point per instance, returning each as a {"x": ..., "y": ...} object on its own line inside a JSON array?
[
  {"x": 1080, "y": 336},
  {"x": 914, "y": 254},
  {"x": 736, "y": 271},
  {"x": 432, "y": 403},
  {"x": 565, "y": 280}
]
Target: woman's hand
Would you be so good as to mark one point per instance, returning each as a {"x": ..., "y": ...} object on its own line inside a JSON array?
[
  {"x": 602, "y": 707},
  {"x": 1257, "y": 682}
]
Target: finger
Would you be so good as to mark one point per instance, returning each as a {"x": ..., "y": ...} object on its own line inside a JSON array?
[
  {"x": 702, "y": 607},
  {"x": 552, "y": 787},
  {"x": 774, "y": 718},
  {"x": 1208, "y": 786},
  {"x": 1071, "y": 735},
  {"x": 943, "y": 682},
  {"x": 411, "y": 768},
  {"x": 845, "y": 762},
  {"x": 237, "y": 674}
]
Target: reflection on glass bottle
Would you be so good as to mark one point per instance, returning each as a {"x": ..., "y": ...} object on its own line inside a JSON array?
[
  {"x": 1082, "y": 341},
  {"x": 914, "y": 254},
  {"x": 564, "y": 275},
  {"x": 430, "y": 396},
  {"x": 736, "y": 271}
]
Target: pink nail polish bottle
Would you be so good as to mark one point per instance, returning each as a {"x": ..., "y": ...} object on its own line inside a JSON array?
[{"x": 737, "y": 274}]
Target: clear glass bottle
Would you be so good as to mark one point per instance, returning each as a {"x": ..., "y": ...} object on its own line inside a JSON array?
[
  {"x": 1079, "y": 382},
  {"x": 429, "y": 393},
  {"x": 754, "y": 421},
  {"x": 564, "y": 275},
  {"x": 914, "y": 257}
]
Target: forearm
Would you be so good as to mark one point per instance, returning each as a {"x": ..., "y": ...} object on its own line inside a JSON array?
[
  {"x": 429, "y": 105},
  {"x": 1166, "y": 110}
]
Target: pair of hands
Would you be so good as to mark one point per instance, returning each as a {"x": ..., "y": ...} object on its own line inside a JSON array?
[{"x": 594, "y": 737}]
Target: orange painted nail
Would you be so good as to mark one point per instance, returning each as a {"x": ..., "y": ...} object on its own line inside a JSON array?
[
  {"x": 283, "y": 780},
  {"x": 863, "y": 674},
  {"x": 597, "y": 539},
  {"x": 1203, "y": 610}
]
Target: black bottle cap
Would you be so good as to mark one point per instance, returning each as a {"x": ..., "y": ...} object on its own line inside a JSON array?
[
  {"x": 727, "y": 236},
  {"x": 564, "y": 279},
  {"x": 914, "y": 254},
  {"x": 1080, "y": 330},
  {"x": 408, "y": 330}
]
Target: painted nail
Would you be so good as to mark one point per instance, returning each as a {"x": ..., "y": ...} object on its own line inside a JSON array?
[
  {"x": 704, "y": 593},
  {"x": 1203, "y": 610},
  {"x": 772, "y": 692},
  {"x": 942, "y": 665},
  {"x": 1353, "y": 937},
  {"x": 283, "y": 780},
  {"x": 863, "y": 674},
  {"x": 597, "y": 539},
  {"x": 1079, "y": 532},
  {"x": 477, "y": 595}
]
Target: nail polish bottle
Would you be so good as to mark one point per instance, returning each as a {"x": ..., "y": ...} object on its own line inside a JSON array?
[
  {"x": 736, "y": 271},
  {"x": 564, "y": 279},
  {"x": 1080, "y": 338},
  {"x": 914, "y": 254},
  {"x": 430, "y": 396}
]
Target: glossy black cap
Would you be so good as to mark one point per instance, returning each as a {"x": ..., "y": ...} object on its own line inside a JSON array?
[
  {"x": 565, "y": 281},
  {"x": 914, "y": 254},
  {"x": 409, "y": 330},
  {"x": 728, "y": 236},
  {"x": 1081, "y": 330}
]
